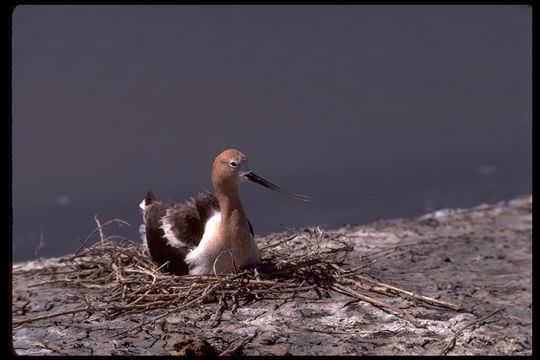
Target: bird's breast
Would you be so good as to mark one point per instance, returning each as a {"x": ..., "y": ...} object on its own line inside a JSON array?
[{"x": 224, "y": 248}]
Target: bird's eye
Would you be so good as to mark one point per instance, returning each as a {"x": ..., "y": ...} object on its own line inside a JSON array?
[{"x": 233, "y": 164}]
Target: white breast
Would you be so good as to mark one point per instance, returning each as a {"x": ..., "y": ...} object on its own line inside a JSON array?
[{"x": 215, "y": 255}]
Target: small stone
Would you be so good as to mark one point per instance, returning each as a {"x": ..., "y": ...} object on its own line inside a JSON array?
[{"x": 194, "y": 347}]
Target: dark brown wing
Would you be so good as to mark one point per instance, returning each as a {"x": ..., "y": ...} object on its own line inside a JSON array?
[
  {"x": 188, "y": 219},
  {"x": 185, "y": 222},
  {"x": 160, "y": 251}
]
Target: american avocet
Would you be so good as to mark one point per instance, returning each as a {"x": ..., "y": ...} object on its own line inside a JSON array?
[{"x": 209, "y": 233}]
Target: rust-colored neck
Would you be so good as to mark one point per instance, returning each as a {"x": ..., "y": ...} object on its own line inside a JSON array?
[
  {"x": 229, "y": 200},
  {"x": 234, "y": 225}
]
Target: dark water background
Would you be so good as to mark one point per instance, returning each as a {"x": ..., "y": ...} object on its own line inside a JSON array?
[{"x": 374, "y": 111}]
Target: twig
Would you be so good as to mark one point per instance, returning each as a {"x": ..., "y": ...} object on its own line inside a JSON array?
[
  {"x": 277, "y": 243},
  {"x": 450, "y": 346},
  {"x": 100, "y": 229},
  {"x": 380, "y": 304},
  {"x": 383, "y": 286},
  {"x": 222, "y": 305},
  {"x": 290, "y": 269},
  {"x": 85, "y": 308},
  {"x": 83, "y": 243}
]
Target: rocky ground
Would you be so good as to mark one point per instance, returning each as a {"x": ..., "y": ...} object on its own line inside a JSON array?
[{"x": 480, "y": 258}]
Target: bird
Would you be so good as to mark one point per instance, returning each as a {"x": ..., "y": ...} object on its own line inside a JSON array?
[{"x": 209, "y": 233}]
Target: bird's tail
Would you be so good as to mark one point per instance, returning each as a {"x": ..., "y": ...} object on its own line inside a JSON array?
[
  {"x": 148, "y": 199},
  {"x": 149, "y": 216}
]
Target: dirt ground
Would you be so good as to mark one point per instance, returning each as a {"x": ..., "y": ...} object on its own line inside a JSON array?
[{"x": 480, "y": 258}]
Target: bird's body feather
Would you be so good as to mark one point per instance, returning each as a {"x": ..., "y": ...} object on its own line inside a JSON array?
[{"x": 187, "y": 234}]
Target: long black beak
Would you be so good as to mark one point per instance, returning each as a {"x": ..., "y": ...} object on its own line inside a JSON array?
[{"x": 259, "y": 180}]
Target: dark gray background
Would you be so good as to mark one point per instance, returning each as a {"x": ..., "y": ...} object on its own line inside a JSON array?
[{"x": 374, "y": 111}]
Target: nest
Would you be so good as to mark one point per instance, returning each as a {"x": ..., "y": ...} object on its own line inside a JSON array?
[{"x": 296, "y": 262}]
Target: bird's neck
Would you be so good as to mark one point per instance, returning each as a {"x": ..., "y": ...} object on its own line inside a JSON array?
[
  {"x": 234, "y": 224},
  {"x": 229, "y": 201}
]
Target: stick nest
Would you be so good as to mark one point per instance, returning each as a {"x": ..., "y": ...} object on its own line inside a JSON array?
[{"x": 293, "y": 263}]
